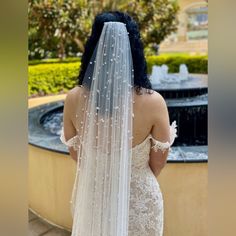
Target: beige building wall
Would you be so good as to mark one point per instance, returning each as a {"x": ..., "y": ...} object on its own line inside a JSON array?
[{"x": 178, "y": 42}]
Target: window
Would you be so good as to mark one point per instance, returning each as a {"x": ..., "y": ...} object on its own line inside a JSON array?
[{"x": 197, "y": 25}]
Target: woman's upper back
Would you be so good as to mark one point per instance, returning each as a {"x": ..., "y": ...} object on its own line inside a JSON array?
[{"x": 150, "y": 114}]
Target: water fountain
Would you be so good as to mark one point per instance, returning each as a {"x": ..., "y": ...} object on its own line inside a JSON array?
[
  {"x": 161, "y": 76},
  {"x": 52, "y": 171},
  {"x": 186, "y": 98}
]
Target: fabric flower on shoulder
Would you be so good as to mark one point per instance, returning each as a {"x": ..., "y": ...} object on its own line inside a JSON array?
[{"x": 173, "y": 132}]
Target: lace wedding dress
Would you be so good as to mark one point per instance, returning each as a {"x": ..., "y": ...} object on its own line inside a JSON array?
[
  {"x": 115, "y": 192},
  {"x": 146, "y": 212}
]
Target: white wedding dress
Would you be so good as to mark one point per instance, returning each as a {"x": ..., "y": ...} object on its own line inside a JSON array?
[
  {"x": 146, "y": 212},
  {"x": 146, "y": 202},
  {"x": 115, "y": 192}
]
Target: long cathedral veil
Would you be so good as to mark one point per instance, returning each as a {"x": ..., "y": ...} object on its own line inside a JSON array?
[{"x": 100, "y": 197}]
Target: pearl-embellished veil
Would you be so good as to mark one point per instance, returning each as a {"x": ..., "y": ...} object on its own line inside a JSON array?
[{"x": 100, "y": 197}]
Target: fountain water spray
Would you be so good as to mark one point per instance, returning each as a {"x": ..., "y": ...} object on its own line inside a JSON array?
[{"x": 160, "y": 74}]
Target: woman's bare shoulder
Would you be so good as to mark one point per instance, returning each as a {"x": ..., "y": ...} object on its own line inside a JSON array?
[
  {"x": 155, "y": 105},
  {"x": 74, "y": 91},
  {"x": 155, "y": 100},
  {"x": 71, "y": 95}
]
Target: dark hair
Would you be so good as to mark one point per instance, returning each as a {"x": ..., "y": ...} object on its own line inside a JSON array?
[{"x": 139, "y": 63}]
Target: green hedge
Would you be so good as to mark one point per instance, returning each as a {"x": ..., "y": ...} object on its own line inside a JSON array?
[
  {"x": 54, "y": 60},
  {"x": 53, "y": 77},
  {"x": 195, "y": 64}
]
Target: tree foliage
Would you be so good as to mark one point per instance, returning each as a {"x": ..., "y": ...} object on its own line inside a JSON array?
[
  {"x": 156, "y": 19},
  {"x": 59, "y": 28}
]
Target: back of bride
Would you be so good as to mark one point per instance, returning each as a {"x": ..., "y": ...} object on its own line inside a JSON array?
[{"x": 117, "y": 130}]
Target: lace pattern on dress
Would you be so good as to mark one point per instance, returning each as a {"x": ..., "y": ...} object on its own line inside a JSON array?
[
  {"x": 146, "y": 215},
  {"x": 72, "y": 142},
  {"x": 146, "y": 201},
  {"x": 163, "y": 146}
]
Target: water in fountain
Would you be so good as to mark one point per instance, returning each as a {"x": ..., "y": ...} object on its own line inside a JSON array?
[
  {"x": 186, "y": 98},
  {"x": 53, "y": 122},
  {"x": 183, "y": 72},
  {"x": 160, "y": 75}
]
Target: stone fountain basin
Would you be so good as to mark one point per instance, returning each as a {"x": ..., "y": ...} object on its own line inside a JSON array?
[
  {"x": 196, "y": 84},
  {"x": 42, "y": 138}
]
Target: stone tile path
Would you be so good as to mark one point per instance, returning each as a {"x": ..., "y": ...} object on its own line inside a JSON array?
[{"x": 39, "y": 227}]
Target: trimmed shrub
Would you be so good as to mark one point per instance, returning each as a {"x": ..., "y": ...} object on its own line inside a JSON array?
[
  {"x": 54, "y": 60},
  {"x": 195, "y": 64},
  {"x": 53, "y": 76}
]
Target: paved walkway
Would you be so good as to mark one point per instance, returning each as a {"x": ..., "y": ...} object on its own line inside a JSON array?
[{"x": 39, "y": 227}]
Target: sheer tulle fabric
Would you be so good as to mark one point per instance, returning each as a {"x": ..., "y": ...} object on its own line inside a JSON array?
[{"x": 100, "y": 198}]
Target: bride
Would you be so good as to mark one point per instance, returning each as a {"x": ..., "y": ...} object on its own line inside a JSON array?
[{"x": 117, "y": 130}]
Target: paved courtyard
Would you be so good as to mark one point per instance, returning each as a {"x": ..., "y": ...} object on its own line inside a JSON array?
[{"x": 39, "y": 227}]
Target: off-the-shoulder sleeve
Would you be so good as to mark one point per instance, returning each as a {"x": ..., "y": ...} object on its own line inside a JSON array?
[
  {"x": 72, "y": 142},
  {"x": 165, "y": 145}
]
